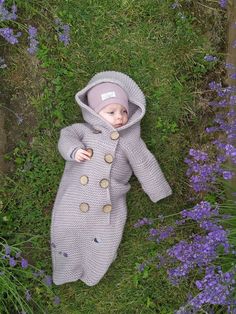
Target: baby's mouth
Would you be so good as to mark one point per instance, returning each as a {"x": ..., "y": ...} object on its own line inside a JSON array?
[{"x": 118, "y": 125}]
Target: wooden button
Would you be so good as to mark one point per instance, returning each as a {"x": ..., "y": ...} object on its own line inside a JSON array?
[
  {"x": 108, "y": 158},
  {"x": 90, "y": 151},
  {"x": 84, "y": 180},
  {"x": 114, "y": 135},
  {"x": 104, "y": 183},
  {"x": 84, "y": 207},
  {"x": 107, "y": 208}
]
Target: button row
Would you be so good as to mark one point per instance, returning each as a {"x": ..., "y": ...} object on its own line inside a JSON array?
[
  {"x": 108, "y": 157},
  {"x": 104, "y": 183},
  {"x": 84, "y": 207}
]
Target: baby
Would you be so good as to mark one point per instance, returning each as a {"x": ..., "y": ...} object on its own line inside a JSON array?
[{"x": 101, "y": 154}]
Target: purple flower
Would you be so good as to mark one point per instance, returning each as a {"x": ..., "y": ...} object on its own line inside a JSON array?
[
  {"x": 153, "y": 232},
  {"x": 180, "y": 222},
  {"x": 230, "y": 65},
  {"x": 65, "y": 37},
  {"x": 32, "y": 31},
  {"x": 201, "y": 251},
  {"x": 7, "y": 249},
  {"x": 175, "y": 5},
  {"x": 215, "y": 86},
  {"x": 18, "y": 254},
  {"x": 24, "y": 263},
  {"x": 2, "y": 63},
  {"x": 209, "y": 226},
  {"x": 164, "y": 234},
  {"x": 216, "y": 288},
  {"x": 200, "y": 211},
  {"x": 227, "y": 175},
  {"x": 27, "y": 295},
  {"x": 223, "y": 103},
  {"x": 7, "y": 34},
  {"x": 212, "y": 129},
  {"x": 229, "y": 150},
  {"x": 5, "y": 14},
  {"x": 47, "y": 280},
  {"x": 39, "y": 273},
  {"x": 12, "y": 262},
  {"x": 63, "y": 31},
  {"x": 210, "y": 58},
  {"x": 65, "y": 254},
  {"x": 142, "y": 222},
  {"x": 232, "y": 100},
  {"x": 57, "y": 300},
  {"x": 141, "y": 267},
  {"x": 198, "y": 155},
  {"x": 233, "y": 76},
  {"x": 32, "y": 38},
  {"x": 223, "y": 3}
]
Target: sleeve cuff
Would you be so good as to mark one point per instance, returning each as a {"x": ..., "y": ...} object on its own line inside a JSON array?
[{"x": 72, "y": 155}]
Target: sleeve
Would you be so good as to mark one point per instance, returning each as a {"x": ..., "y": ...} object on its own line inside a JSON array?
[
  {"x": 148, "y": 172},
  {"x": 70, "y": 141}
]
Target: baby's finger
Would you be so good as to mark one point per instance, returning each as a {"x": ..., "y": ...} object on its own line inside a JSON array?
[
  {"x": 84, "y": 156},
  {"x": 85, "y": 152}
]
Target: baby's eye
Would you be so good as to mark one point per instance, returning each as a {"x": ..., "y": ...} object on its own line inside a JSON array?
[
  {"x": 111, "y": 112},
  {"x": 125, "y": 110}
]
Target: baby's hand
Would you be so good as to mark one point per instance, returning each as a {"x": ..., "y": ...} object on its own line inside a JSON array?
[{"x": 81, "y": 155}]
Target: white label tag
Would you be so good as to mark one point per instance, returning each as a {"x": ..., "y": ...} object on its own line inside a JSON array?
[{"x": 108, "y": 95}]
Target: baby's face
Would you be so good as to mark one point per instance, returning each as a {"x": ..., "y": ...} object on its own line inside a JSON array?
[{"x": 115, "y": 114}]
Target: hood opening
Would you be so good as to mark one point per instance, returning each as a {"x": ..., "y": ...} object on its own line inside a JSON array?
[{"x": 135, "y": 96}]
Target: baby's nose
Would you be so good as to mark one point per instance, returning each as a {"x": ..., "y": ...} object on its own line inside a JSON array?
[{"x": 119, "y": 114}]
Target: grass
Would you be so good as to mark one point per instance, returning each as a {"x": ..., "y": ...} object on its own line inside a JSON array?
[{"x": 163, "y": 52}]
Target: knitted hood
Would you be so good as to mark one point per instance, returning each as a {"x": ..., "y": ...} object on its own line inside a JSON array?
[{"x": 136, "y": 97}]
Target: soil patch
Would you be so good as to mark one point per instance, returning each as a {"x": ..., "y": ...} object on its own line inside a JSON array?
[{"x": 18, "y": 117}]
